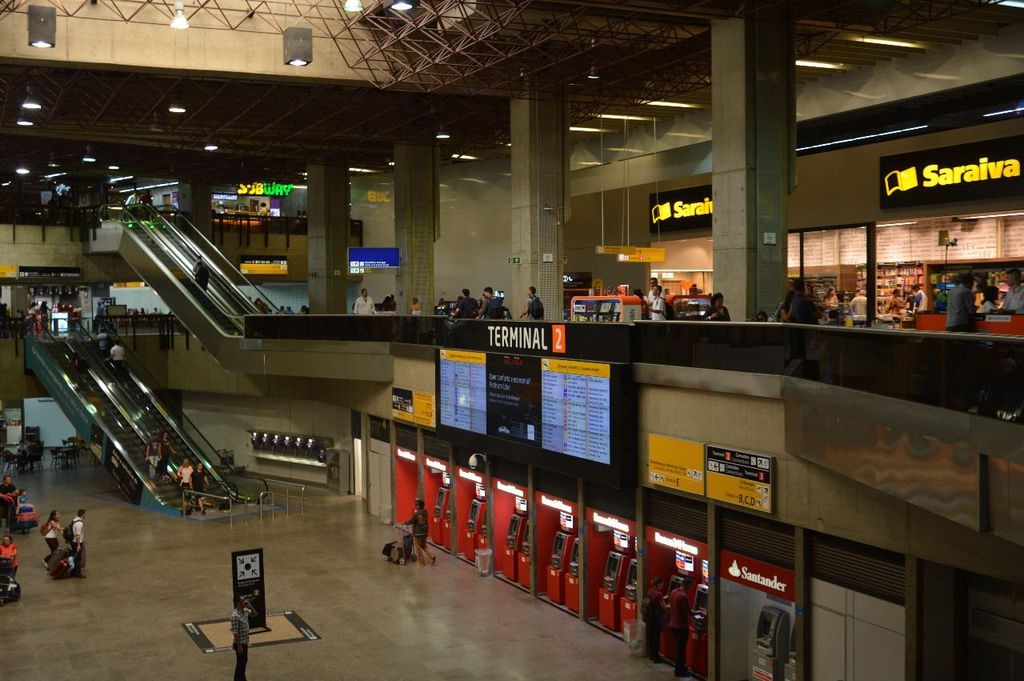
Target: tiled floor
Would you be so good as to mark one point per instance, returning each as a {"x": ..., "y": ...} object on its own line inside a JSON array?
[{"x": 148, "y": 573}]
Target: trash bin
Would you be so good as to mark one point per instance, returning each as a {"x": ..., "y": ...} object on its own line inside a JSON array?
[
  {"x": 633, "y": 632},
  {"x": 484, "y": 562}
]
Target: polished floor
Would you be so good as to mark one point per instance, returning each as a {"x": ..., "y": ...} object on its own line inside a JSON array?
[{"x": 148, "y": 573}]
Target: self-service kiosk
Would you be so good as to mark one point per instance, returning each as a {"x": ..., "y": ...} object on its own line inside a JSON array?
[
  {"x": 476, "y": 524},
  {"x": 523, "y": 571},
  {"x": 771, "y": 644},
  {"x": 697, "y": 643},
  {"x": 440, "y": 522},
  {"x": 561, "y": 551},
  {"x": 572, "y": 577},
  {"x": 628, "y": 602},
  {"x": 513, "y": 544},
  {"x": 612, "y": 586},
  {"x": 790, "y": 670}
]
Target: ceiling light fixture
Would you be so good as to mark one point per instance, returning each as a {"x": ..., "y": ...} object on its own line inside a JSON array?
[
  {"x": 53, "y": 161},
  {"x": 675, "y": 105},
  {"x": 593, "y": 75},
  {"x": 298, "y": 46},
  {"x": 53, "y": 175},
  {"x": 42, "y": 26},
  {"x": 113, "y": 167},
  {"x": 811, "y": 64},
  {"x": 353, "y": 6},
  {"x": 861, "y": 138},
  {"x": 31, "y": 102},
  {"x": 993, "y": 215},
  {"x": 442, "y": 134},
  {"x": 156, "y": 127},
  {"x": 623, "y": 117},
  {"x": 179, "y": 21},
  {"x": 87, "y": 157},
  {"x": 25, "y": 122},
  {"x": 888, "y": 42},
  {"x": 1018, "y": 4},
  {"x": 581, "y": 128},
  {"x": 210, "y": 146},
  {"x": 1004, "y": 112},
  {"x": 405, "y": 5},
  {"x": 176, "y": 108},
  {"x": 22, "y": 171}
]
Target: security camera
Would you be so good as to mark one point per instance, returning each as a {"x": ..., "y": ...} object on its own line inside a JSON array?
[{"x": 477, "y": 460}]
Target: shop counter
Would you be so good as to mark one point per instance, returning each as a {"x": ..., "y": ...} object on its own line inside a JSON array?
[{"x": 1006, "y": 324}]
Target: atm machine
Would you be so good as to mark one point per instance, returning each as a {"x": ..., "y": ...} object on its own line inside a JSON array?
[
  {"x": 440, "y": 512},
  {"x": 611, "y": 588},
  {"x": 771, "y": 644},
  {"x": 572, "y": 577},
  {"x": 697, "y": 643},
  {"x": 790, "y": 670},
  {"x": 476, "y": 524},
  {"x": 561, "y": 554},
  {"x": 446, "y": 524},
  {"x": 513, "y": 543},
  {"x": 628, "y": 602},
  {"x": 523, "y": 558}
]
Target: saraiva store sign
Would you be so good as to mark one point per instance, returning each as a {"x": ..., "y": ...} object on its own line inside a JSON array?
[
  {"x": 965, "y": 172},
  {"x": 771, "y": 579}
]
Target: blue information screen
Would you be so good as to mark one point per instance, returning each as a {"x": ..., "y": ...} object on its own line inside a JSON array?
[{"x": 362, "y": 259}]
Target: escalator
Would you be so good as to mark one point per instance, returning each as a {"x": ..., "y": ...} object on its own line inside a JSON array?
[{"x": 120, "y": 412}]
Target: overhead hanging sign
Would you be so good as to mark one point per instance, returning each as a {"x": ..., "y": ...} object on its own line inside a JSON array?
[
  {"x": 615, "y": 250},
  {"x": 965, "y": 172},
  {"x": 690, "y": 208},
  {"x": 739, "y": 478},
  {"x": 676, "y": 464},
  {"x": 47, "y": 272},
  {"x": 263, "y": 264},
  {"x": 644, "y": 255}
]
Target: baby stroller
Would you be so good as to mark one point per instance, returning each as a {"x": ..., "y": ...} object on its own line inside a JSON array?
[
  {"x": 26, "y": 516},
  {"x": 9, "y": 589},
  {"x": 400, "y": 551}
]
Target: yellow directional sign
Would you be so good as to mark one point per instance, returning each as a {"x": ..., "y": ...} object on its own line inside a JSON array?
[
  {"x": 616, "y": 250},
  {"x": 644, "y": 255}
]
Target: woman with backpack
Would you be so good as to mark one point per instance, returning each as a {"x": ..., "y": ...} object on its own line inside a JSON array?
[{"x": 51, "y": 531}]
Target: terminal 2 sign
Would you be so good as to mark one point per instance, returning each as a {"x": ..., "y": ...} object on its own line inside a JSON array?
[{"x": 965, "y": 172}]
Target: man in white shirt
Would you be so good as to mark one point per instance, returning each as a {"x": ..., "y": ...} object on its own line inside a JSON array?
[
  {"x": 650, "y": 294},
  {"x": 1014, "y": 300},
  {"x": 859, "y": 304},
  {"x": 657, "y": 309},
  {"x": 364, "y": 304},
  {"x": 920, "y": 299},
  {"x": 78, "y": 543},
  {"x": 117, "y": 356}
]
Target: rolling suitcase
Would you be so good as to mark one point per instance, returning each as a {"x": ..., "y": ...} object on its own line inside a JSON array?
[
  {"x": 58, "y": 555},
  {"x": 9, "y": 590}
]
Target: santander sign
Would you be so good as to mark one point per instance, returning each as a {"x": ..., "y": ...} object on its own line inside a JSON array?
[{"x": 765, "y": 577}]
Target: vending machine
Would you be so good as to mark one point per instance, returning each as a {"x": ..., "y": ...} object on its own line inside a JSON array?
[
  {"x": 771, "y": 644},
  {"x": 627, "y": 601},
  {"x": 513, "y": 544},
  {"x": 572, "y": 577},
  {"x": 561, "y": 551},
  {"x": 437, "y": 527},
  {"x": 611, "y": 588},
  {"x": 475, "y": 522},
  {"x": 697, "y": 643},
  {"x": 523, "y": 571}
]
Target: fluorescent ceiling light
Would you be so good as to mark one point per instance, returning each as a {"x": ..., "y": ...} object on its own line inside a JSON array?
[
  {"x": 896, "y": 224},
  {"x": 811, "y": 64},
  {"x": 361, "y": 170},
  {"x": 114, "y": 180},
  {"x": 179, "y": 21},
  {"x": 935, "y": 76},
  {"x": 620, "y": 117},
  {"x": 146, "y": 186},
  {"x": 353, "y": 6},
  {"x": 1004, "y": 112},
  {"x": 465, "y": 157},
  {"x": 580, "y": 128},
  {"x": 113, "y": 167},
  {"x": 624, "y": 149},
  {"x": 692, "y": 135},
  {"x": 675, "y": 105},
  {"x": 862, "y": 137},
  {"x": 994, "y": 215},
  {"x": 23, "y": 171},
  {"x": 5, "y": 183},
  {"x": 474, "y": 180},
  {"x": 210, "y": 146},
  {"x": 889, "y": 42},
  {"x": 53, "y": 175},
  {"x": 590, "y": 163}
]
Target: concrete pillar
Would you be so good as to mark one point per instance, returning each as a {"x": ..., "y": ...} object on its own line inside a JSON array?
[
  {"x": 416, "y": 223},
  {"x": 540, "y": 201},
  {"x": 329, "y": 237},
  {"x": 754, "y": 131},
  {"x": 194, "y": 200}
]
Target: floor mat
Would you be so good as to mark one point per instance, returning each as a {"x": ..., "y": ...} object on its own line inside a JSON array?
[{"x": 214, "y": 636}]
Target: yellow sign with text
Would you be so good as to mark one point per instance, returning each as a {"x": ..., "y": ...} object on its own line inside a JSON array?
[
  {"x": 8, "y": 271},
  {"x": 423, "y": 408},
  {"x": 677, "y": 464},
  {"x": 615, "y": 250},
  {"x": 464, "y": 356},
  {"x": 756, "y": 496},
  {"x": 644, "y": 255}
]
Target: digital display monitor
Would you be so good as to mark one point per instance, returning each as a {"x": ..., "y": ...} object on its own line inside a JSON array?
[
  {"x": 365, "y": 259},
  {"x": 566, "y": 520},
  {"x": 577, "y": 408},
  {"x": 463, "y": 390},
  {"x": 481, "y": 491},
  {"x": 521, "y": 504},
  {"x": 620, "y": 540},
  {"x": 684, "y": 562},
  {"x": 514, "y": 398}
]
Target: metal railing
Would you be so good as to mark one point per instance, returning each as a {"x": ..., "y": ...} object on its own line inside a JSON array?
[
  {"x": 191, "y": 494},
  {"x": 265, "y": 498}
]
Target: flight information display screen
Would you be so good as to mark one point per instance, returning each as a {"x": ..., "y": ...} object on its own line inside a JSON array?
[
  {"x": 463, "y": 390},
  {"x": 557, "y": 405}
]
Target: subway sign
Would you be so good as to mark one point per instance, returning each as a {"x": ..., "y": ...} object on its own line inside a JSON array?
[
  {"x": 264, "y": 189},
  {"x": 690, "y": 208},
  {"x": 965, "y": 172}
]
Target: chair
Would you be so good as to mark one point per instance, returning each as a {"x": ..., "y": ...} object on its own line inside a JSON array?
[{"x": 9, "y": 460}]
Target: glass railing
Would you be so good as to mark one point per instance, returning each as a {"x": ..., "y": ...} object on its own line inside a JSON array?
[{"x": 976, "y": 373}]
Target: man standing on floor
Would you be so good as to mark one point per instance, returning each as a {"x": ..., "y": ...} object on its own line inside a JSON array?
[
  {"x": 960, "y": 305},
  {"x": 420, "y": 525},
  {"x": 78, "y": 543},
  {"x": 363, "y": 304},
  {"x": 679, "y": 623},
  {"x": 1014, "y": 300},
  {"x": 240, "y": 635}
]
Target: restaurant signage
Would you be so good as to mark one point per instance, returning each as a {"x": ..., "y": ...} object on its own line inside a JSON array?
[
  {"x": 688, "y": 208},
  {"x": 965, "y": 172},
  {"x": 264, "y": 189}
]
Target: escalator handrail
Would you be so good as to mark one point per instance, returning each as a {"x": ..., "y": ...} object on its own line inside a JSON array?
[{"x": 198, "y": 445}]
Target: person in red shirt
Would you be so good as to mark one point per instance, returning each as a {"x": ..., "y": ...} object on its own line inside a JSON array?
[
  {"x": 679, "y": 622},
  {"x": 655, "y": 618}
]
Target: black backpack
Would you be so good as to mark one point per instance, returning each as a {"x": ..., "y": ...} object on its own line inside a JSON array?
[
  {"x": 69, "y": 532},
  {"x": 494, "y": 309},
  {"x": 670, "y": 310},
  {"x": 536, "y": 308}
]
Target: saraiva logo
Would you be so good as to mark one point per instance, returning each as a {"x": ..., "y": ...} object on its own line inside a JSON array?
[{"x": 935, "y": 175}]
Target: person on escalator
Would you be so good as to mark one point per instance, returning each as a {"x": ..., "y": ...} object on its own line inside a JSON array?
[
  {"x": 166, "y": 449},
  {"x": 153, "y": 454},
  {"x": 117, "y": 356},
  {"x": 202, "y": 274}
]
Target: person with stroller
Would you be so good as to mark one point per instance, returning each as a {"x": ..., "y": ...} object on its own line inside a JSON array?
[
  {"x": 420, "y": 522},
  {"x": 8, "y": 556}
]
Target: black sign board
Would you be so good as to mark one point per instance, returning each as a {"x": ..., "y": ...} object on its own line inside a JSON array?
[
  {"x": 577, "y": 280},
  {"x": 689, "y": 208},
  {"x": 402, "y": 401},
  {"x": 48, "y": 272},
  {"x": 247, "y": 581},
  {"x": 598, "y": 342},
  {"x": 965, "y": 172},
  {"x": 127, "y": 480}
]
